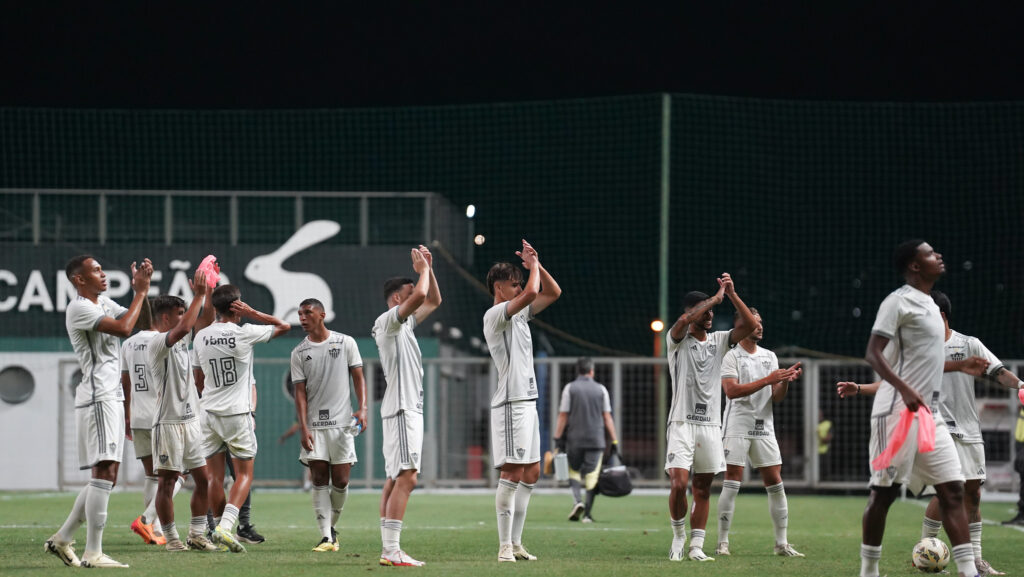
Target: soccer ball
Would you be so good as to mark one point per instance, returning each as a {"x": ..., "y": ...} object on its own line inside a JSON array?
[{"x": 931, "y": 555}]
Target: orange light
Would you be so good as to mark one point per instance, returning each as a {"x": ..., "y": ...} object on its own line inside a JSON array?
[{"x": 657, "y": 326}]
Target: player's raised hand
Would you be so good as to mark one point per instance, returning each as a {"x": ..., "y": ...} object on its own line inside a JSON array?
[
  {"x": 528, "y": 254},
  {"x": 419, "y": 262},
  {"x": 142, "y": 275},
  {"x": 725, "y": 281},
  {"x": 427, "y": 256},
  {"x": 198, "y": 284},
  {"x": 846, "y": 389},
  {"x": 975, "y": 366},
  {"x": 240, "y": 308},
  {"x": 796, "y": 371}
]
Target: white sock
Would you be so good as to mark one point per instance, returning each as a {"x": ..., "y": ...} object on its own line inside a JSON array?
[
  {"x": 96, "y": 514},
  {"x": 778, "y": 506},
  {"x": 870, "y": 555},
  {"x": 522, "y": 503},
  {"x": 391, "y": 535},
  {"x": 503, "y": 499},
  {"x": 726, "y": 507},
  {"x": 322, "y": 509},
  {"x": 679, "y": 529},
  {"x": 930, "y": 527},
  {"x": 172, "y": 532},
  {"x": 197, "y": 526},
  {"x": 338, "y": 497},
  {"x": 75, "y": 518},
  {"x": 697, "y": 538},
  {"x": 157, "y": 529},
  {"x": 227, "y": 520},
  {"x": 975, "y": 529},
  {"x": 149, "y": 499},
  {"x": 963, "y": 554}
]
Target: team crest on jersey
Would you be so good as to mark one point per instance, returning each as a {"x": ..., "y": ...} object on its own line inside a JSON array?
[
  {"x": 712, "y": 349},
  {"x": 334, "y": 353},
  {"x": 163, "y": 459},
  {"x": 727, "y": 452},
  {"x": 957, "y": 355},
  {"x": 415, "y": 457},
  {"x": 520, "y": 452},
  {"x": 113, "y": 447},
  {"x": 700, "y": 408},
  {"x": 325, "y": 414},
  {"x": 671, "y": 457},
  {"x": 890, "y": 471}
]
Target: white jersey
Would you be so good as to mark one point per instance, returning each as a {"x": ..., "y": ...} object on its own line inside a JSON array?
[
  {"x": 402, "y": 362},
  {"x": 749, "y": 417},
  {"x": 99, "y": 354},
  {"x": 696, "y": 382},
  {"x": 911, "y": 321},
  {"x": 177, "y": 400},
  {"x": 225, "y": 355},
  {"x": 511, "y": 346},
  {"x": 956, "y": 398},
  {"x": 324, "y": 367},
  {"x": 133, "y": 364}
]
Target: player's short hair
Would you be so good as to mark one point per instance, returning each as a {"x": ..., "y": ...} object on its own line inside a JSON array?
[
  {"x": 694, "y": 298},
  {"x": 503, "y": 271},
  {"x": 942, "y": 300},
  {"x": 905, "y": 254},
  {"x": 315, "y": 303},
  {"x": 165, "y": 304},
  {"x": 223, "y": 296},
  {"x": 74, "y": 265},
  {"x": 736, "y": 315},
  {"x": 584, "y": 365},
  {"x": 393, "y": 285}
]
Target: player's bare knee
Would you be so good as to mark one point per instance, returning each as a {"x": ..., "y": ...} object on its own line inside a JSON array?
[
  {"x": 882, "y": 497},
  {"x": 679, "y": 483}
]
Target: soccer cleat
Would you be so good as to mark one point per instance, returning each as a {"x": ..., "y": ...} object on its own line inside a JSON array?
[
  {"x": 985, "y": 569},
  {"x": 326, "y": 545},
  {"x": 787, "y": 550},
  {"x": 1018, "y": 520},
  {"x": 400, "y": 559},
  {"x": 722, "y": 549},
  {"x": 199, "y": 542},
  {"x": 248, "y": 534},
  {"x": 521, "y": 554},
  {"x": 697, "y": 554},
  {"x": 144, "y": 530},
  {"x": 101, "y": 561},
  {"x": 577, "y": 510},
  {"x": 505, "y": 554},
  {"x": 587, "y": 519},
  {"x": 221, "y": 536},
  {"x": 159, "y": 539},
  {"x": 175, "y": 545},
  {"x": 675, "y": 553},
  {"x": 63, "y": 551}
]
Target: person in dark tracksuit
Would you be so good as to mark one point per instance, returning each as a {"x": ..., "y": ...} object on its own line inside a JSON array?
[
  {"x": 584, "y": 416},
  {"x": 1019, "y": 466}
]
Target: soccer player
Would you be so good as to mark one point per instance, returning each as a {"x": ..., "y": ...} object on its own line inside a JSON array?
[
  {"x": 320, "y": 369},
  {"x": 515, "y": 432},
  {"x": 753, "y": 382},
  {"x": 94, "y": 322},
  {"x": 409, "y": 304},
  {"x": 584, "y": 417},
  {"x": 176, "y": 431},
  {"x": 224, "y": 377},
  {"x": 694, "y": 420},
  {"x": 909, "y": 333}
]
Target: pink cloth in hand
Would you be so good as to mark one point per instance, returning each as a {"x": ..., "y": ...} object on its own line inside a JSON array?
[
  {"x": 1020, "y": 395},
  {"x": 925, "y": 436},
  {"x": 212, "y": 270}
]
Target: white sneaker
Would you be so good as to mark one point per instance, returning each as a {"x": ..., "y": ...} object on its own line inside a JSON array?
[
  {"x": 521, "y": 554},
  {"x": 224, "y": 537},
  {"x": 175, "y": 545},
  {"x": 63, "y": 551},
  {"x": 985, "y": 569},
  {"x": 399, "y": 559},
  {"x": 199, "y": 542},
  {"x": 577, "y": 510},
  {"x": 505, "y": 554},
  {"x": 675, "y": 553},
  {"x": 697, "y": 554},
  {"x": 722, "y": 549},
  {"x": 787, "y": 550},
  {"x": 101, "y": 561}
]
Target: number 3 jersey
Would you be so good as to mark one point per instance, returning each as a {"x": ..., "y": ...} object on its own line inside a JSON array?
[
  {"x": 143, "y": 388},
  {"x": 165, "y": 371},
  {"x": 324, "y": 367},
  {"x": 224, "y": 352}
]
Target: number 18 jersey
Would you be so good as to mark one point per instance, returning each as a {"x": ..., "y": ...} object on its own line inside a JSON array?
[{"x": 225, "y": 355}]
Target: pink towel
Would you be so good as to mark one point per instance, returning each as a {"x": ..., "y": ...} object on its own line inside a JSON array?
[
  {"x": 925, "y": 436},
  {"x": 1020, "y": 395},
  {"x": 212, "y": 270}
]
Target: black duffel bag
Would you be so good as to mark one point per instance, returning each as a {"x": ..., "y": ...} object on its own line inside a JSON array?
[{"x": 614, "y": 479}]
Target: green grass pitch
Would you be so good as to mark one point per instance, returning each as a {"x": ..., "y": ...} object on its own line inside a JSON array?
[{"x": 455, "y": 535}]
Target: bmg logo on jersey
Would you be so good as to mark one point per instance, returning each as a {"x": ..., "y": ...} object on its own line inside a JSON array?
[{"x": 228, "y": 342}]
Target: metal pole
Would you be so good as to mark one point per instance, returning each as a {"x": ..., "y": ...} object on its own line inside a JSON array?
[
  {"x": 369, "y": 445},
  {"x": 617, "y": 413},
  {"x": 663, "y": 285}
]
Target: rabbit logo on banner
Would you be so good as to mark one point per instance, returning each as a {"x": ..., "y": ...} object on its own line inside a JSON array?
[{"x": 288, "y": 288}]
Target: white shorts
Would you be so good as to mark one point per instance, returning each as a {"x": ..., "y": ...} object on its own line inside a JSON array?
[
  {"x": 916, "y": 470},
  {"x": 178, "y": 446},
  {"x": 232, "y": 433},
  {"x": 972, "y": 460},
  {"x": 762, "y": 451},
  {"x": 100, "y": 433},
  {"x": 403, "y": 443},
  {"x": 515, "y": 434},
  {"x": 143, "y": 441},
  {"x": 336, "y": 446},
  {"x": 694, "y": 447}
]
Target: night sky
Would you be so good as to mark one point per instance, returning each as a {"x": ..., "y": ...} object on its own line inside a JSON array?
[{"x": 325, "y": 55}]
